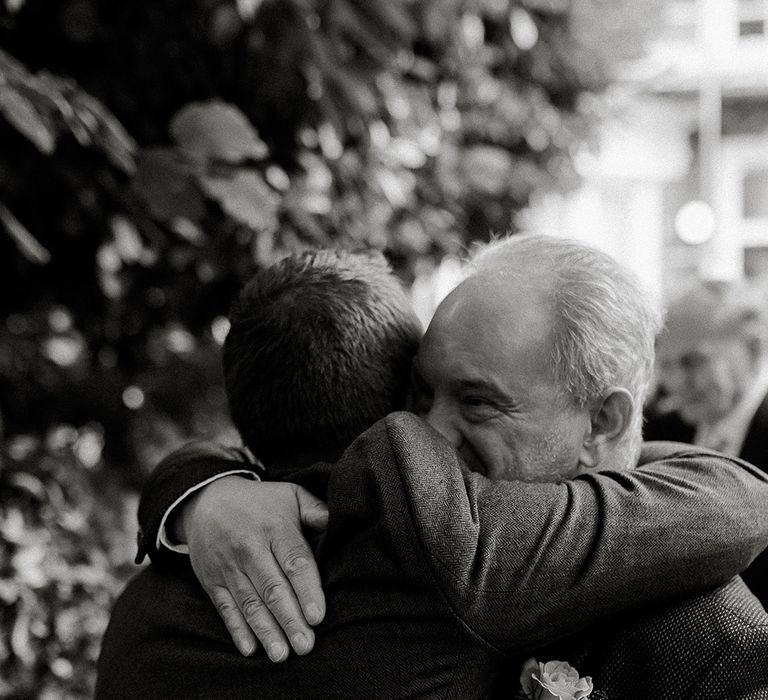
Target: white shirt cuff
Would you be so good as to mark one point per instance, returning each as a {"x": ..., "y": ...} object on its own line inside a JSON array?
[{"x": 162, "y": 536}]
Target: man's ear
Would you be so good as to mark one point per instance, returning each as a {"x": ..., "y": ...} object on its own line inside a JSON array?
[{"x": 610, "y": 419}]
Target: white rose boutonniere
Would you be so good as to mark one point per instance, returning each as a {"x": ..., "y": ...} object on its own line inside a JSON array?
[{"x": 554, "y": 680}]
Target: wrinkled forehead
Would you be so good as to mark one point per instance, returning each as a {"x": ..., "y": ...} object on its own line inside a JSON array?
[
  {"x": 506, "y": 308},
  {"x": 502, "y": 294},
  {"x": 498, "y": 328}
]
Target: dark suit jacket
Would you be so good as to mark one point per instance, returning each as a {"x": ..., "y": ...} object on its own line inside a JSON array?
[
  {"x": 438, "y": 580},
  {"x": 670, "y": 426},
  {"x": 667, "y": 427}
]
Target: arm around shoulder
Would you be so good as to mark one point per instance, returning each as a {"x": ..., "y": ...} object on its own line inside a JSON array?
[
  {"x": 177, "y": 475},
  {"x": 524, "y": 564}
]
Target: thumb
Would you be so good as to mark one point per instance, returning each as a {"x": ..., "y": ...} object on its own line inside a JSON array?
[{"x": 312, "y": 511}]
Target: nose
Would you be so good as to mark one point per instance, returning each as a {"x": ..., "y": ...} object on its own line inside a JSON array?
[
  {"x": 673, "y": 381},
  {"x": 440, "y": 417},
  {"x": 691, "y": 380}
]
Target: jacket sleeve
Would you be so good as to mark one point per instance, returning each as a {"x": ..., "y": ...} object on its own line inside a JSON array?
[
  {"x": 524, "y": 564},
  {"x": 175, "y": 476}
]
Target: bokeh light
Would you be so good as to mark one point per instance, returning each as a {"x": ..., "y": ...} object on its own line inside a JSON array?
[
  {"x": 133, "y": 397},
  {"x": 695, "y": 223}
]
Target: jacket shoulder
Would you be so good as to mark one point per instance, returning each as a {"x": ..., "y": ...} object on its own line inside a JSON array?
[
  {"x": 710, "y": 646},
  {"x": 741, "y": 667}
]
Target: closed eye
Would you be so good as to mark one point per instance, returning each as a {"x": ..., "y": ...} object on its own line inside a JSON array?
[
  {"x": 478, "y": 408},
  {"x": 476, "y": 401}
]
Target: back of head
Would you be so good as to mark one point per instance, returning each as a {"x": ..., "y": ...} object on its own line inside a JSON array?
[
  {"x": 606, "y": 322},
  {"x": 319, "y": 349}
]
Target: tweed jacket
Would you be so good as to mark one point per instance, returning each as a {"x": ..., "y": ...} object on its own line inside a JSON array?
[
  {"x": 709, "y": 647},
  {"x": 437, "y": 581}
]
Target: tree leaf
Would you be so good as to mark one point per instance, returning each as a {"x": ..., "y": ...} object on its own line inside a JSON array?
[
  {"x": 164, "y": 180},
  {"x": 212, "y": 131},
  {"x": 355, "y": 89},
  {"x": 26, "y": 242},
  {"x": 105, "y": 131},
  {"x": 21, "y": 113},
  {"x": 246, "y": 197},
  {"x": 553, "y": 6},
  {"x": 247, "y": 9},
  {"x": 368, "y": 37},
  {"x": 394, "y": 15},
  {"x": 20, "y": 638},
  {"x": 487, "y": 169}
]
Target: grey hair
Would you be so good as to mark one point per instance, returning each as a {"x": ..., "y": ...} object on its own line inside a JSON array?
[
  {"x": 606, "y": 322},
  {"x": 722, "y": 309}
]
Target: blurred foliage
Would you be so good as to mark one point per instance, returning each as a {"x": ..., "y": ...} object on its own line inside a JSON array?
[
  {"x": 66, "y": 549},
  {"x": 156, "y": 152}
]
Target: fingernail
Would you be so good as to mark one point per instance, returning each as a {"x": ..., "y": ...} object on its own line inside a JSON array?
[
  {"x": 245, "y": 646},
  {"x": 277, "y": 651},
  {"x": 314, "y": 615},
  {"x": 300, "y": 643}
]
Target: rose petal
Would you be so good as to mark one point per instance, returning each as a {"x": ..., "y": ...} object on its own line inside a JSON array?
[
  {"x": 542, "y": 692},
  {"x": 526, "y": 675},
  {"x": 560, "y": 680}
]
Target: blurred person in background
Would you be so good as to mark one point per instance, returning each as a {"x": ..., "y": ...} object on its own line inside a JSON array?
[
  {"x": 492, "y": 333},
  {"x": 712, "y": 361}
]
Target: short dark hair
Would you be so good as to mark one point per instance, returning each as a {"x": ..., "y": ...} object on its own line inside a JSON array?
[{"x": 319, "y": 349}]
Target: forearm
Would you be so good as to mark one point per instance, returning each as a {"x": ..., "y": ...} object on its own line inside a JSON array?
[
  {"x": 172, "y": 534},
  {"x": 608, "y": 544},
  {"x": 524, "y": 564},
  {"x": 176, "y": 477}
]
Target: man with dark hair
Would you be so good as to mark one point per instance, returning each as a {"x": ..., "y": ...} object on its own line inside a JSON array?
[
  {"x": 334, "y": 336},
  {"x": 324, "y": 340},
  {"x": 438, "y": 579}
]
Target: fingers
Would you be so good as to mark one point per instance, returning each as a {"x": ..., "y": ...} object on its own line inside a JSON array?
[
  {"x": 271, "y": 608},
  {"x": 298, "y": 564},
  {"x": 263, "y": 624},
  {"x": 298, "y": 561},
  {"x": 312, "y": 511},
  {"x": 247, "y": 618},
  {"x": 256, "y": 565},
  {"x": 233, "y": 620}
]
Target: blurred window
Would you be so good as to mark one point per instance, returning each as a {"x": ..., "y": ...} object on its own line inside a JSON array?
[
  {"x": 755, "y": 194},
  {"x": 752, "y": 17},
  {"x": 680, "y": 20},
  {"x": 756, "y": 262},
  {"x": 752, "y": 27}
]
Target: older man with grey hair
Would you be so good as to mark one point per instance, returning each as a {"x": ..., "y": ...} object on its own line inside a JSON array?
[
  {"x": 533, "y": 370},
  {"x": 560, "y": 311},
  {"x": 713, "y": 356}
]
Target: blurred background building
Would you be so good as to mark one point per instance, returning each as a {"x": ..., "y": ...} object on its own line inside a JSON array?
[{"x": 677, "y": 185}]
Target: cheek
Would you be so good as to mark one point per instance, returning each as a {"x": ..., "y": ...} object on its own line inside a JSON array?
[
  {"x": 704, "y": 379},
  {"x": 484, "y": 442},
  {"x": 738, "y": 381},
  {"x": 725, "y": 380},
  {"x": 491, "y": 450},
  {"x": 562, "y": 441},
  {"x": 559, "y": 452}
]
